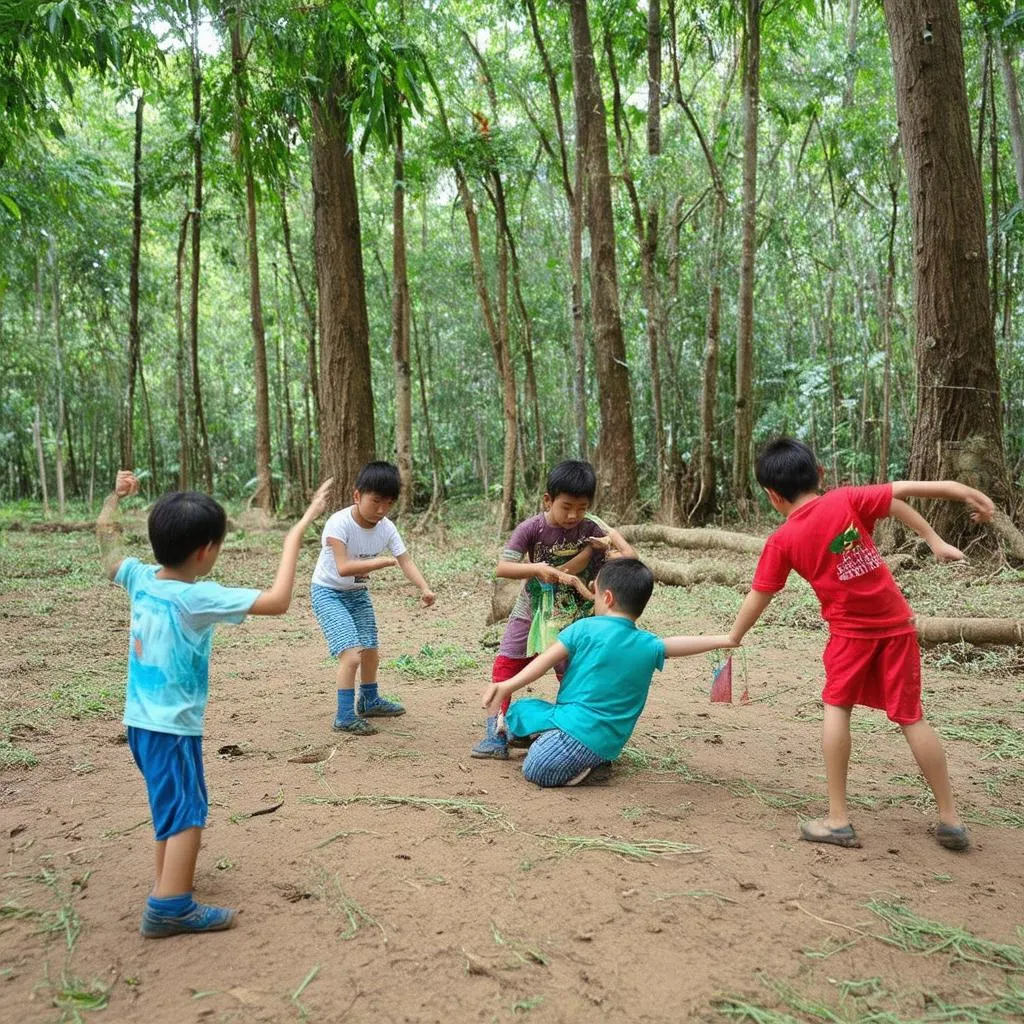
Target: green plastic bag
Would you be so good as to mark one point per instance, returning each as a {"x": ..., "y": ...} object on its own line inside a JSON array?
[{"x": 543, "y": 626}]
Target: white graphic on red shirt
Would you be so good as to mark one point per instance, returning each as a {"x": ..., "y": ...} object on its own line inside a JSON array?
[{"x": 858, "y": 561}]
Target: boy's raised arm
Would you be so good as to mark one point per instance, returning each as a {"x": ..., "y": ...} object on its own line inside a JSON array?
[
  {"x": 498, "y": 692},
  {"x": 913, "y": 520},
  {"x": 981, "y": 505},
  {"x": 276, "y": 600},
  {"x": 108, "y": 529}
]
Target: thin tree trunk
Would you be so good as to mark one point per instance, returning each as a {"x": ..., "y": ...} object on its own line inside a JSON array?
[
  {"x": 147, "y": 412},
  {"x": 1014, "y": 115},
  {"x": 616, "y": 450},
  {"x": 202, "y": 438},
  {"x": 958, "y": 431},
  {"x": 886, "y": 315},
  {"x": 134, "y": 340},
  {"x": 744, "y": 400},
  {"x": 58, "y": 351},
  {"x": 574, "y": 199},
  {"x": 347, "y": 439},
  {"x": 851, "y": 52},
  {"x": 400, "y": 331},
  {"x": 37, "y": 440},
  {"x": 184, "y": 447},
  {"x": 263, "y": 496}
]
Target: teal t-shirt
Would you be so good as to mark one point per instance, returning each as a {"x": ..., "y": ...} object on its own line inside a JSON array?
[
  {"x": 169, "y": 646},
  {"x": 611, "y": 663}
]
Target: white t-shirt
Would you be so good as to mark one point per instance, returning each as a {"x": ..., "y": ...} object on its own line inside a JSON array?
[{"x": 359, "y": 543}]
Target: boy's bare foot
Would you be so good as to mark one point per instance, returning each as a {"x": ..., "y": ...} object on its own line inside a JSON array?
[{"x": 820, "y": 831}]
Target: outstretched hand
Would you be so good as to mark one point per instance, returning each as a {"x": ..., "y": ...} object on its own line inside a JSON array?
[
  {"x": 944, "y": 552},
  {"x": 981, "y": 506},
  {"x": 126, "y": 484},
  {"x": 319, "y": 500}
]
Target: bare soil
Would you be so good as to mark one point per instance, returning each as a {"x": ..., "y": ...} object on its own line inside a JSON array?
[{"x": 400, "y": 880}]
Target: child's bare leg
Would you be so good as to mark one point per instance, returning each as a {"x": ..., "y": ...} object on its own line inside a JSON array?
[
  {"x": 161, "y": 851},
  {"x": 369, "y": 662},
  {"x": 349, "y": 661},
  {"x": 835, "y": 745},
  {"x": 927, "y": 749},
  {"x": 177, "y": 872}
]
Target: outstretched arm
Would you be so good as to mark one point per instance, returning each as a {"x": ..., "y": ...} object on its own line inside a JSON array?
[
  {"x": 913, "y": 520},
  {"x": 682, "y": 646},
  {"x": 496, "y": 693},
  {"x": 415, "y": 577},
  {"x": 276, "y": 600},
  {"x": 980, "y": 504},
  {"x": 108, "y": 529},
  {"x": 750, "y": 611}
]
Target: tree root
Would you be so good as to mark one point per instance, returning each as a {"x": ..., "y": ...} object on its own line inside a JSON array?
[{"x": 1007, "y": 532}]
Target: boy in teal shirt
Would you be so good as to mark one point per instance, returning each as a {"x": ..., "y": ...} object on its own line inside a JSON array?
[{"x": 604, "y": 690}]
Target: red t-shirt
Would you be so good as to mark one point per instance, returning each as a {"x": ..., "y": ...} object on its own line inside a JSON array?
[{"x": 828, "y": 542}]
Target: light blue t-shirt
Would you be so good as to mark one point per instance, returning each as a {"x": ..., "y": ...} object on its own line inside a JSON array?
[
  {"x": 169, "y": 646},
  {"x": 611, "y": 663}
]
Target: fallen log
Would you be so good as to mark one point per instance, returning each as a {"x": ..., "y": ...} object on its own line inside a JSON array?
[
  {"x": 696, "y": 539},
  {"x": 677, "y": 574},
  {"x": 934, "y": 630}
]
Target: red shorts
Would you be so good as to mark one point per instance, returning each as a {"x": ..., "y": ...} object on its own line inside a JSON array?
[{"x": 876, "y": 672}]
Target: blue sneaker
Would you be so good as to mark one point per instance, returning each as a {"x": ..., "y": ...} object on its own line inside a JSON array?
[
  {"x": 356, "y": 726},
  {"x": 494, "y": 745},
  {"x": 378, "y": 707},
  {"x": 200, "y": 918}
]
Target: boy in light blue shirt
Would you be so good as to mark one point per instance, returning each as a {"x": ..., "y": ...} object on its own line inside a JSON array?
[
  {"x": 604, "y": 690},
  {"x": 172, "y": 622}
]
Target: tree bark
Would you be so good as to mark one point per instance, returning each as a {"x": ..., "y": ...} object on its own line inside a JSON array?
[
  {"x": 201, "y": 436},
  {"x": 1013, "y": 110},
  {"x": 181, "y": 363},
  {"x": 958, "y": 431},
  {"x": 263, "y": 496},
  {"x": 134, "y": 340},
  {"x": 744, "y": 401},
  {"x": 58, "y": 351},
  {"x": 347, "y": 440},
  {"x": 615, "y": 456},
  {"x": 400, "y": 331}
]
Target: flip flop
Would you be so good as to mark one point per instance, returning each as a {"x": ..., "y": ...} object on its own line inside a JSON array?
[
  {"x": 952, "y": 837},
  {"x": 818, "y": 832}
]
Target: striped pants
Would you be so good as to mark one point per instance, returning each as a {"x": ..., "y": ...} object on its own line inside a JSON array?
[{"x": 555, "y": 758}]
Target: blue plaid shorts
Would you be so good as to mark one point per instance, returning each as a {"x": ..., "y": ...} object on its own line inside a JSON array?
[
  {"x": 345, "y": 616},
  {"x": 554, "y": 758}
]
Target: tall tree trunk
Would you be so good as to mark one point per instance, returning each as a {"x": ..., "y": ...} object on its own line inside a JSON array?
[
  {"x": 312, "y": 362},
  {"x": 1013, "y": 109},
  {"x": 574, "y": 201},
  {"x": 347, "y": 439},
  {"x": 58, "y": 351},
  {"x": 263, "y": 497},
  {"x": 851, "y": 52},
  {"x": 147, "y": 412},
  {"x": 400, "y": 330},
  {"x": 958, "y": 430},
  {"x": 37, "y": 441},
  {"x": 616, "y": 452},
  {"x": 886, "y": 315},
  {"x": 134, "y": 340},
  {"x": 202, "y": 437},
  {"x": 743, "y": 431},
  {"x": 181, "y": 363}
]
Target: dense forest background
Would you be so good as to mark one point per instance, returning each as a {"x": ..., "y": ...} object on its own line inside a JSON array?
[{"x": 247, "y": 244}]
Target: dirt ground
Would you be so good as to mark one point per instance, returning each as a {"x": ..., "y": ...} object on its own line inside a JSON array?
[{"x": 393, "y": 878}]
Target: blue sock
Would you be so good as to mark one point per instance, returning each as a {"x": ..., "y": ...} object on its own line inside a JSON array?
[
  {"x": 170, "y": 906},
  {"x": 346, "y": 705},
  {"x": 368, "y": 691}
]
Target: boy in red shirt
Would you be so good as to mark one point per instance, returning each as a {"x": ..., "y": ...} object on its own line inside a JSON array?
[{"x": 871, "y": 657}]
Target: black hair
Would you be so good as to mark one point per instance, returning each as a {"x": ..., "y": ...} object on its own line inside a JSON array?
[
  {"x": 787, "y": 467},
  {"x": 630, "y": 581},
  {"x": 182, "y": 522},
  {"x": 380, "y": 478},
  {"x": 574, "y": 478}
]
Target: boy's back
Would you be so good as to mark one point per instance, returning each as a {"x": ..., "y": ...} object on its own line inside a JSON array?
[
  {"x": 828, "y": 542},
  {"x": 604, "y": 690}
]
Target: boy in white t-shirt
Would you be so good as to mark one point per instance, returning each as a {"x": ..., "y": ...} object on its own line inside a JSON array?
[{"x": 355, "y": 543}]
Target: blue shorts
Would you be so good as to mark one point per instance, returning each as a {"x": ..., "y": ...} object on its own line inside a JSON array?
[
  {"x": 173, "y": 769},
  {"x": 345, "y": 616}
]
